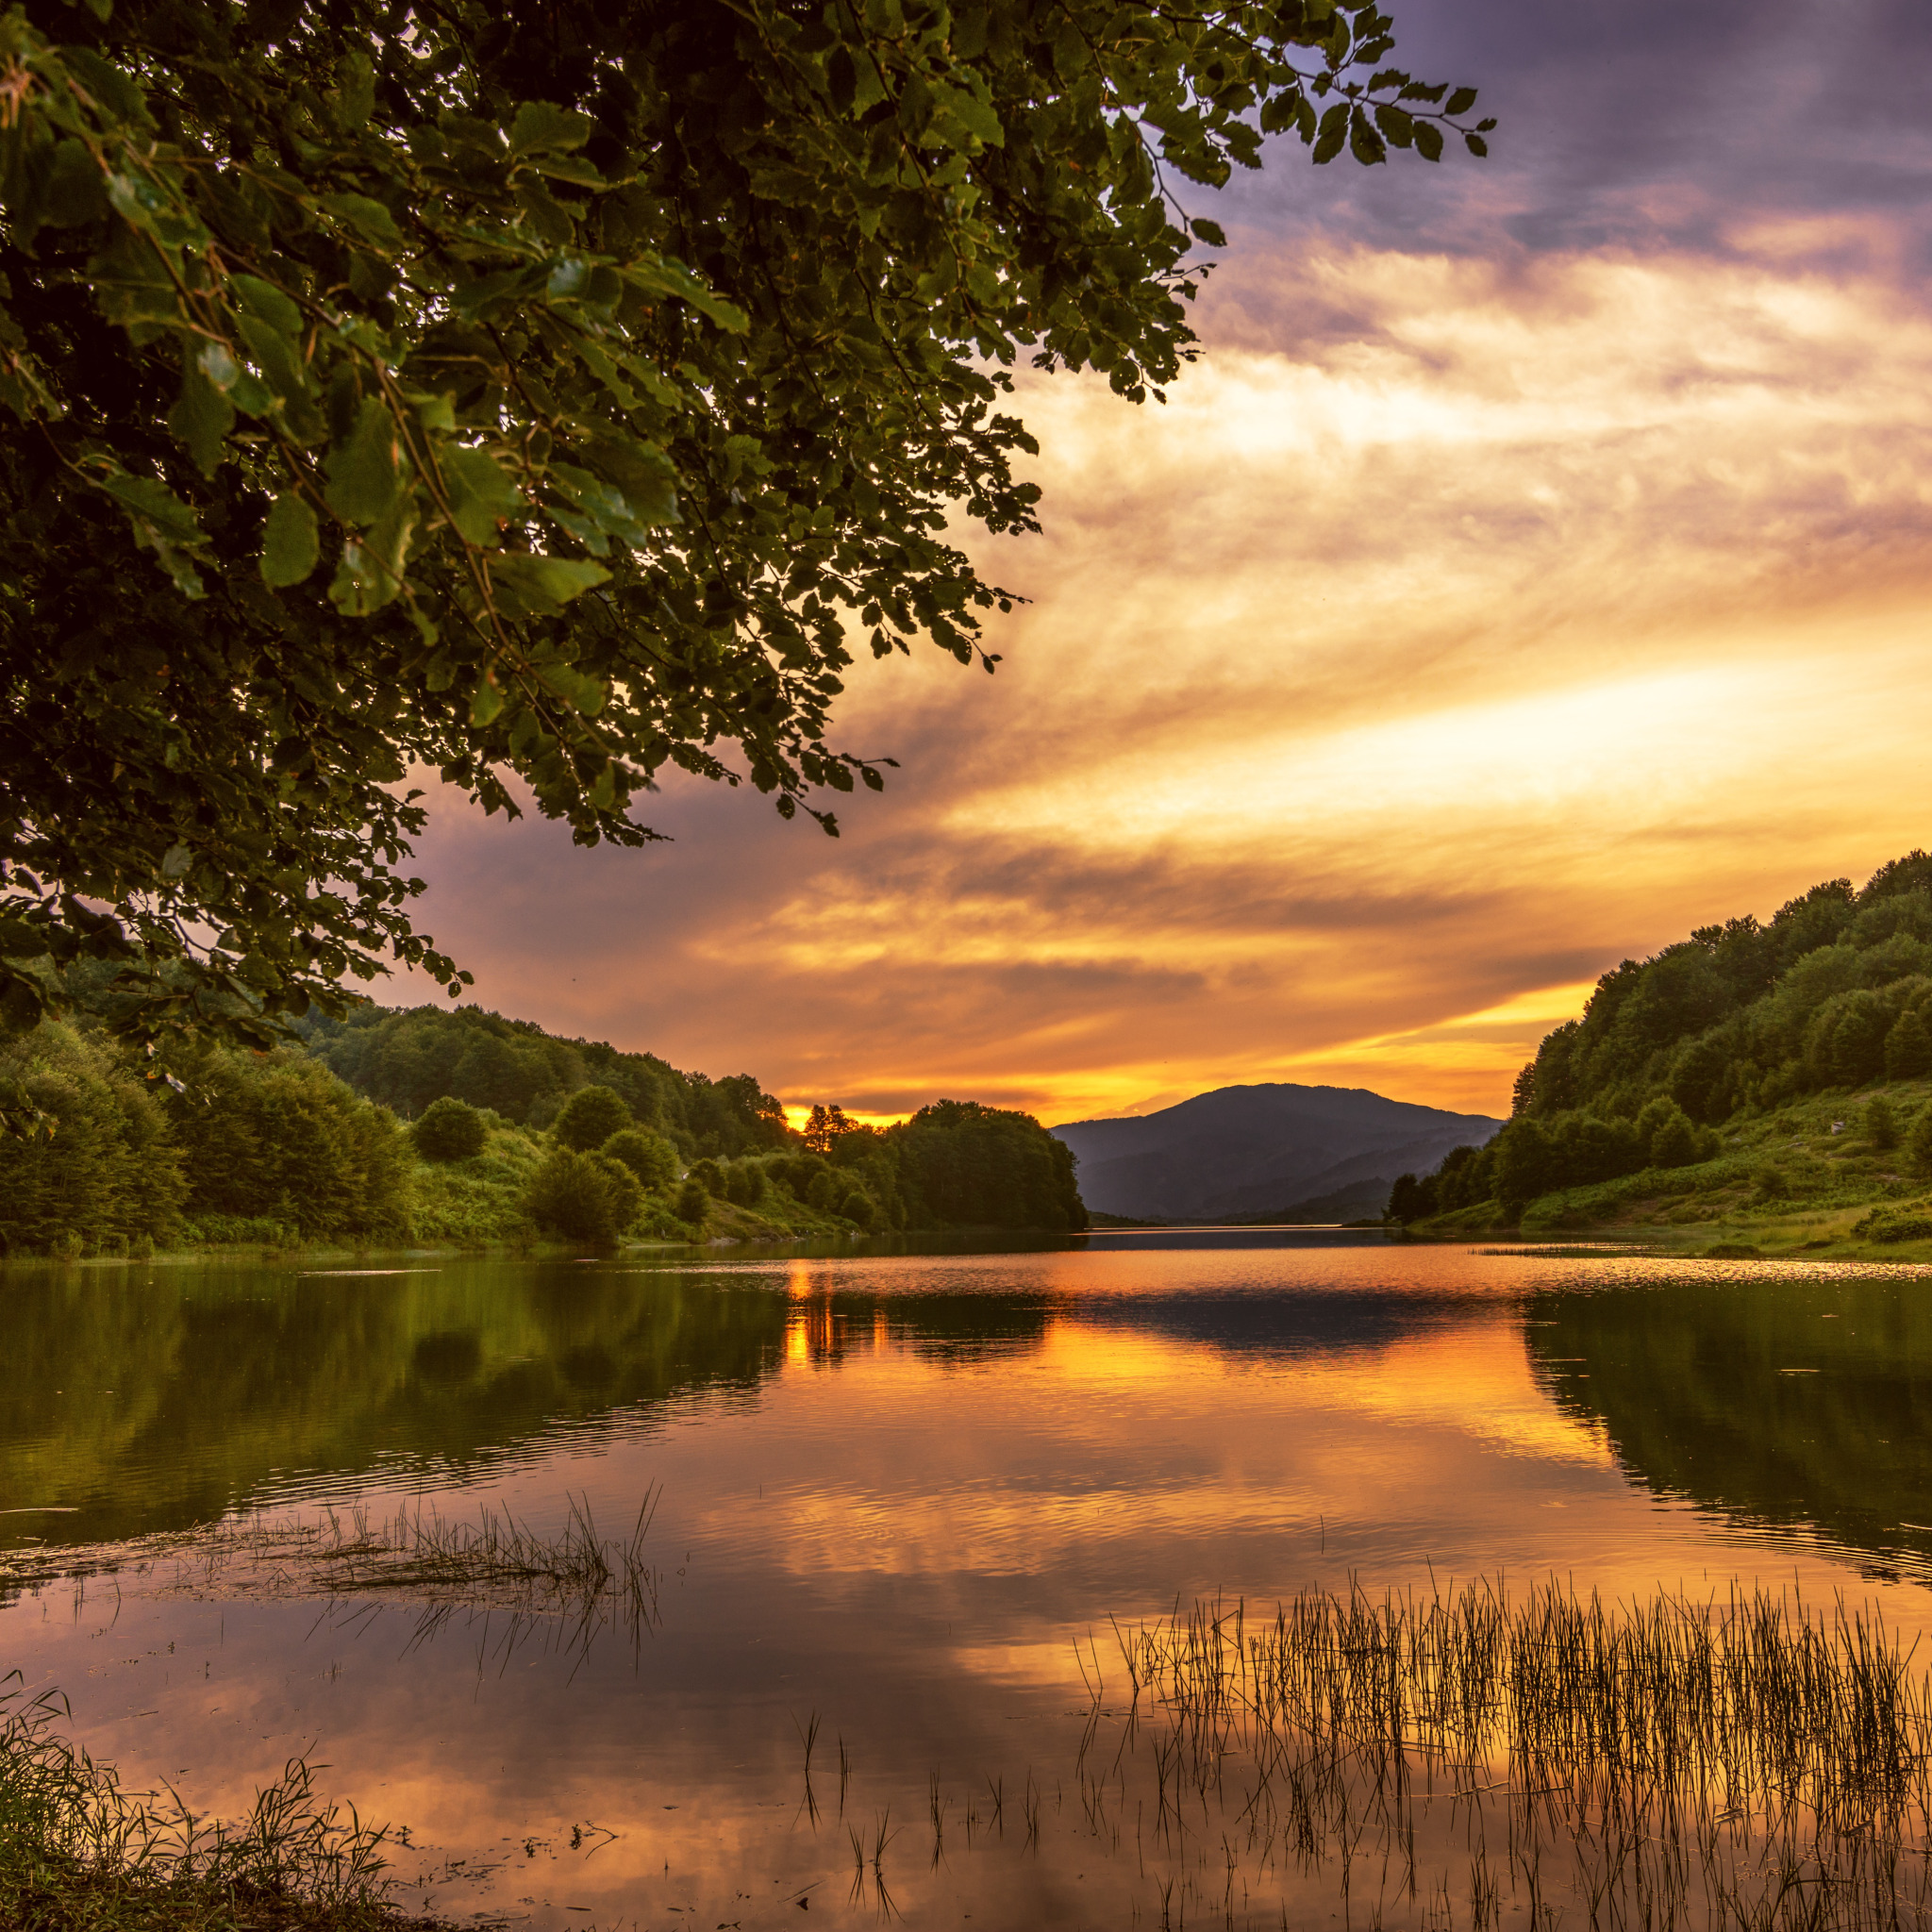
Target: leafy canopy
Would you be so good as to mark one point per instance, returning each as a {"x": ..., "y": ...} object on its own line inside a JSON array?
[{"x": 545, "y": 395}]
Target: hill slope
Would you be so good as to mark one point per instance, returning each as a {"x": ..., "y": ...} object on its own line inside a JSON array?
[
  {"x": 1769, "y": 1078},
  {"x": 1260, "y": 1150}
]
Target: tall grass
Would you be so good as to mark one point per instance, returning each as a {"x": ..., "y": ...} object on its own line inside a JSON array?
[
  {"x": 77, "y": 1850},
  {"x": 1744, "y": 1761}
]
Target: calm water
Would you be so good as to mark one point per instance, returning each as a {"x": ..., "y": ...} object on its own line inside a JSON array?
[{"x": 906, "y": 1496}]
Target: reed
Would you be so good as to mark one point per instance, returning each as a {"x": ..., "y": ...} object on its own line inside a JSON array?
[
  {"x": 77, "y": 1850},
  {"x": 1745, "y": 1759}
]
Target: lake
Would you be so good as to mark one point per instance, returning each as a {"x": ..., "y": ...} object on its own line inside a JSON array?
[{"x": 906, "y": 1512}]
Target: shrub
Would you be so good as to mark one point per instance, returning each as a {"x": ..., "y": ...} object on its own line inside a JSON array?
[
  {"x": 588, "y": 1118},
  {"x": 1881, "y": 1125},
  {"x": 646, "y": 1153},
  {"x": 1919, "y": 1146},
  {"x": 449, "y": 1130},
  {"x": 584, "y": 1197},
  {"x": 693, "y": 1203},
  {"x": 1908, "y": 1227},
  {"x": 822, "y": 1192},
  {"x": 710, "y": 1176},
  {"x": 857, "y": 1205}
]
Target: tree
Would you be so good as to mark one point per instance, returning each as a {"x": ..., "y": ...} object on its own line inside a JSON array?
[
  {"x": 648, "y": 1156},
  {"x": 1909, "y": 1046},
  {"x": 541, "y": 392},
  {"x": 584, "y": 1197},
  {"x": 827, "y": 1125},
  {"x": 588, "y": 1118},
  {"x": 449, "y": 1130}
]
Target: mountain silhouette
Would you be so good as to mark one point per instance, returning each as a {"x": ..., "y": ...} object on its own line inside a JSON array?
[{"x": 1263, "y": 1150}]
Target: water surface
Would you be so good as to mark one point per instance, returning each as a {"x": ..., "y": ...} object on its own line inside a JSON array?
[{"x": 903, "y": 1500}]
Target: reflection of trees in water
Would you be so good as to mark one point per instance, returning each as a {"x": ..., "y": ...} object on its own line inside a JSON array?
[
  {"x": 151, "y": 1402},
  {"x": 146, "y": 1405},
  {"x": 1791, "y": 1402}
]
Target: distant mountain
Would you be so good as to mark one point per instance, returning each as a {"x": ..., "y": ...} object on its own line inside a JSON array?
[{"x": 1255, "y": 1150}]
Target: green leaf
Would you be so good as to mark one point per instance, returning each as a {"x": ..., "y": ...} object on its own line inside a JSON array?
[
  {"x": 161, "y": 522},
  {"x": 71, "y": 190},
  {"x": 1428, "y": 140},
  {"x": 529, "y": 586},
  {"x": 201, "y": 419},
  {"x": 1332, "y": 134},
  {"x": 1209, "y": 232},
  {"x": 976, "y": 115},
  {"x": 1461, "y": 101},
  {"x": 355, "y": 98},
  {"x": 290, "y": 548},
  {"x": 367, "y": 216},
  {"x": 487, "y": 703},
  {"x": 367, "y": 470},
  {"x": 1475, "y": 144},
  {"x": 371, "y": 572},
  {"x": 541, "y": 128},
  {"x": 481, "y": 496},
  {"x": 267, "y": 303}
]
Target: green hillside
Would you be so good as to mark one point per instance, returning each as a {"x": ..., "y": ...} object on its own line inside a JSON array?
[
  {"x": 1768, "y": 1084},
  {"x": 463, "y": 1129}
]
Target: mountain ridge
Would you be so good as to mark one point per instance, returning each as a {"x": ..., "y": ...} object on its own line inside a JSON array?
[{"x": 1253, "y": 1148}]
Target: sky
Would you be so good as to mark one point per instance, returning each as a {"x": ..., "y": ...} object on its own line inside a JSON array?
[{"x": 1534, "y": 567}]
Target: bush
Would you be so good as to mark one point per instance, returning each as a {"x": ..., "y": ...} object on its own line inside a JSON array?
[
  {"x": 822, "y": 1192},
  {"x": 710, "y": 1176},
  {"x": 1881, "y": 1125},
  {"x": 1919, "y": 1146},
  {"x": 857, "y": 1205},
  {"x": 745, "y": 1185},
  {"x": 588, "y": 1118},
  {"x": 646, "y": 1153},
  {"x": 449, "y": 1130},
  {"x": 693, "y": 1203},
  {"x": 584, "y": 1197}
]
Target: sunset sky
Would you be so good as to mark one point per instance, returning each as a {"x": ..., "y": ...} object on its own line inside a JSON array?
[{"x": 1535, "y": 566}]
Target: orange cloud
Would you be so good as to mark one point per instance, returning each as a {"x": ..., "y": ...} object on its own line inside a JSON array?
[{"x": 1456, "y": 631}]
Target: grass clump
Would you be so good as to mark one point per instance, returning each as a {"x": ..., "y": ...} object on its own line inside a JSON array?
[
  {"x": 1737, "y": 1760},
  {"x": 79, "y": 1853}
]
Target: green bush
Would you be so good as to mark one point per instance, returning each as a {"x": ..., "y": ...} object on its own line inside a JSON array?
[
  {"x": 710, "y": 1176},
  {"x": 1881, "y": 1125},
  {"x": 584, "y": 1197},
  {"x": 859, "y": 1205},
  {"x": 646, "y": 1153},
  {"x": 693, "y": 1203},
  {"x": 1919, "y": 1144},
  {"x": 588, "y": 1118},
  {"x": 449, "y": 1130}
]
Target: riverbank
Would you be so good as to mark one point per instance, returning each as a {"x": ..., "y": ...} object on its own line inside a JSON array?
[{"x": 1824, "y": 1178}]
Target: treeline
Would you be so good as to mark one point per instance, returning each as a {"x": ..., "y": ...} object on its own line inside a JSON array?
[
  {"x": 215, "y": 1145},
  {"x": 407, "y": 1059},
  {"x": 224, "y": 1146},
  {"x": 1833, "y": 991}
]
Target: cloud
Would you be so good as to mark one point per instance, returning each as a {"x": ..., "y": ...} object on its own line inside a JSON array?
[{"x": 1463, "y": 625}]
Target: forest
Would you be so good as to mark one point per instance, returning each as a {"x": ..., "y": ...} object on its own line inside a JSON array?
[
  {"x": 1737, "y": 1022},
  {"x": 462, "y": 1127}
]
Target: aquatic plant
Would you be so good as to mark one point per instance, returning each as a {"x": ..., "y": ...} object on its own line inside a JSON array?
[
  {"x": 1738, "y": 1760},
  {"x": 77, "y": 1850}
]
